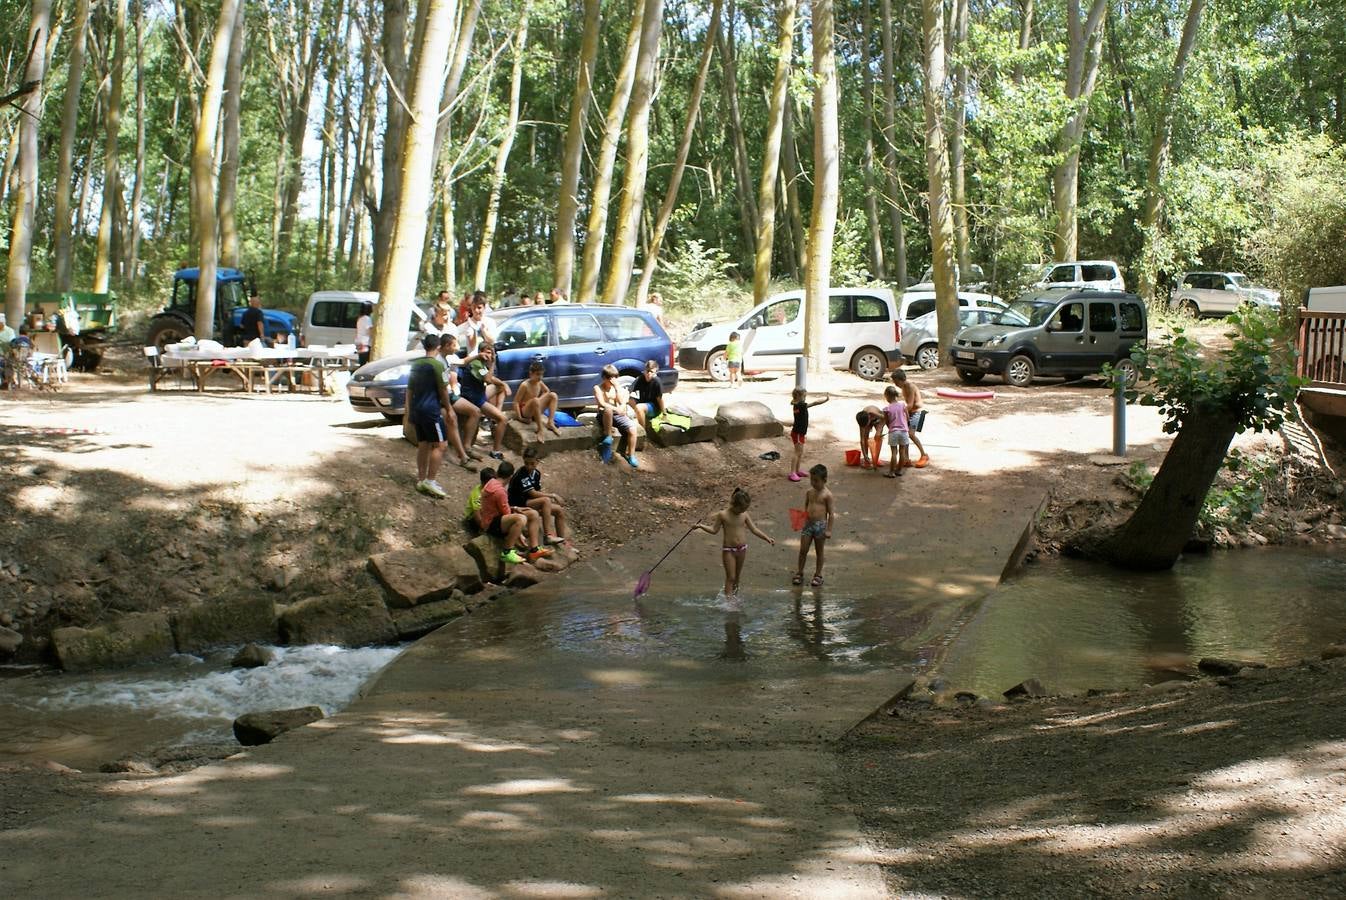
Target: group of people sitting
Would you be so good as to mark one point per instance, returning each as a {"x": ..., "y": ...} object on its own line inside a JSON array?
[{"x": 510, "y": 504}]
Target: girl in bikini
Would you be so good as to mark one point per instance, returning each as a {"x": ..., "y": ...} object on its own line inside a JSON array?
[{"x": 734, "y": 521}]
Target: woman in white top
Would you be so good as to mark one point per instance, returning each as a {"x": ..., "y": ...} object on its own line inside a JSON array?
[{"x": 364, "y": 332}]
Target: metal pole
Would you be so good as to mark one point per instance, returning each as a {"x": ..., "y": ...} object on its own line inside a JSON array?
[
  {"x": 801, "y": 373},
  {"x": 1119, "y": 416}
]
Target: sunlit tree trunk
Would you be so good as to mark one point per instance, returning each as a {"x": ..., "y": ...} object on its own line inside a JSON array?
[
  {"x": 1025, "y": 35},
  {"x": 625, "y": 234},
  {"x": 1085, "y": 42},
  {"x": 231, "y": 123},
  {"x": 937, "y": 167},
  {"x": 203, "y": 169},
  {"x": 670, "y": 201},
  {"x": 876, "y": 261},
  {"x": 62, "y": 228},
  {"x": 601, "y": 191},
  {"x": 102, "y": 264},
  {"x": 1160, "y": 143},
  {"x": 572, "y": 153},
  {"x": 776, "y": 112},
  {"x": 138, "y": 192},
  {"x": 306, "y": 49},
  {"x": 394, "y": 49},
  {"x": 793, "y": 202},
  {"x": 826, "y": 186},
  {"x": 25, "y": 197},
  {"x": 957, "y": 129},
  {"x": 890, "y": 144},
  {"x": 502, "y": 154},
  {"x": 734, "y": 125},
  {"x": 397, "y": 284}
]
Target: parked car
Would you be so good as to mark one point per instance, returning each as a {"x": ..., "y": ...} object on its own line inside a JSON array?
[
  {"x": 1099, "y": 274},
  {"x": 920, "y": 336},
  {"x": 329, "y": 318},
  {"x": 975, "y": 280},
  {"x": 1220, "y": 293},
  {"x": 862, "y": 334},
  {"x": 575, "y": 342},
  {"x": 1051, "y": 334},
  {"x": 916, "y": 303}
]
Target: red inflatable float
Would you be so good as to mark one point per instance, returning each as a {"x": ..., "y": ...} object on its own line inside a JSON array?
[{"x": 950, "y": 394}]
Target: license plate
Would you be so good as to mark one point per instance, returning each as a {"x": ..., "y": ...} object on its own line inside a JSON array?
[
  {"x": 965, "y": 354},
  {"x": 355, "y": 390}
]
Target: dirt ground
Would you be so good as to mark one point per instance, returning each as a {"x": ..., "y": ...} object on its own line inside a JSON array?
[{"x": 123, "y": 500}]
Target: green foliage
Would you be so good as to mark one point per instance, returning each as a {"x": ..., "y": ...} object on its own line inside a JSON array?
[
  {"x": 1252, "y": 382},
  {"x": 1237, "y": 495},
  {"x": 693, "y": 277}
]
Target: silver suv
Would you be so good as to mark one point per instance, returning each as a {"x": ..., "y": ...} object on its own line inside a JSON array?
[{"x": 1220, "y": 293}]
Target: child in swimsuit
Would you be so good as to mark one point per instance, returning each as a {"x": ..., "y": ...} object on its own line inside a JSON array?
[
  {"x": 734, "y": 521},
  {"x": 818, "y": 508},
  {"x": 799, "y": 404},
  {"x": 536, "y": 403}
]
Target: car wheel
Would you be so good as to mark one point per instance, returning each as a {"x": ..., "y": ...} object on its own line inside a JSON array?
[
  {"x": 717, "y": 367},
  {"x": 1019, "y": 371},
  {"x": 927, "y": 356},
  {"x": 1190, "y": 307},
  {"x": 970, "y": 376},
  {"x": 1130, "y": 371},
  {"x": 869, "y": 363}
]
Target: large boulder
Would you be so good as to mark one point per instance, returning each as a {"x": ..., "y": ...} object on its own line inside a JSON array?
[
  {"x": 133, "y": 638},
  {"x": 519, "y": 436},
  {"x": 703, "y": 429},
  {"x": 252, "y": 657},
  {"x": 9, "y": 641},
  {"x": 353, "y": 619},
  {"x": 426, "y": 617},
  {"x": 224, "y": 620},
  {"x": 485, "y": 550},
  {"x": 424, "y": 575},
  {"x": 256, "y": 728},
  {"x": 746, "y": 419},
  {"x": 522, "y": 575}
]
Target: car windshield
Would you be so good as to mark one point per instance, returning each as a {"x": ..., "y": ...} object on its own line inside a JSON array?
[
  {"x": 1241, "y": 281},
  {"x": 1024, "y": 313},
  {"x": 974, "y": 273}
]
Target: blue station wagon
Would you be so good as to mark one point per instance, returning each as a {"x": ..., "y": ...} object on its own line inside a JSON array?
[{"x": 574, "y": 341}]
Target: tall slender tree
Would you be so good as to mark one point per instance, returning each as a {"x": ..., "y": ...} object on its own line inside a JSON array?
[
  {"x": 232, "y": 125},
  {"x": 894, "y": 193},
  {"x": 138, "y": 192},
  {"x": 25, "y": 197},
  {"x": 937, "y": 169},
  {"x": 111, "y": 172},
  {"x": 957, "y": 130},
  {"x": 62, "y": 227},
  {"x": 776, "y": 112},
  {"x": 1085, "y": 38},
  {"x": 876, "y": 260},
  {"x": 502, "y": 153},
  {"x": 572, "y": 154},
  {"x": 826, "y": 185}
]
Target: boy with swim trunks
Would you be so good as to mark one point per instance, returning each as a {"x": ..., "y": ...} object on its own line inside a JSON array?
[
  {"x": 818, "y": 528},
  {"x": 898, "y": 437},
  {"x": 870, "y": 419},
  {"x": 800, "y": 429},
  {"x": 734, "y": 521},
  {"x": 535, "y": 403},
  {"x": 426, "y": 401},
  {"x": 911, "y": 395}
]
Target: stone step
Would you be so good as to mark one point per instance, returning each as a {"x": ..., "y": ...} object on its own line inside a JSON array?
[
  {"x": 746, "y": 419},
  {"x": 703, "y": 429},
  {"x": 424, "y": 575}
]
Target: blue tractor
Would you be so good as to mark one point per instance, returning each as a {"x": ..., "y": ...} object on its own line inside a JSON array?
[{"x": 177, "y": 320}]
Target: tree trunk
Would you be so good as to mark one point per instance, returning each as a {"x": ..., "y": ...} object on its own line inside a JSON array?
[
  {"x": 670, "y": 201},
  {"x": 957, "y": 129},
  {"x": 138, "y": 193},
  {"x": 25, "y": 199},
  {"x": 734, "y": 123},
  {"x": 796, "y": 206},
  {"x": 876, "y": 262},
  {"x": 203, "y": 169},
  {"x": 572, "y": 153},
  {"x": 607, "y": 157},
  {"x": 1085, "y": 41},
  {"x": 766, "y": 201},
  {"x": 111, "y": 174},
  {"x": 937, "y": 169},
  {"x": 308, "y": 49},
  {"x": 625, "y": 234},
  {"x": 397, "y": 284},
  {"x": 1025, "y": 35},
  {"x": 502, "y": 154},
  {"x": 62, "y": 227},
  {"x": 826, "y": 186},
  {"x": 231, "y": 116},
  {"x": 1159, "y": 150},
  {"x": 1154, "y": 537},
  {"x": 395, "y": 14}
]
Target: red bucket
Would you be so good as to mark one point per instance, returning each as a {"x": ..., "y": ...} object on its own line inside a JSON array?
[
  {"x": 852, "y": 457},
  {"x": 798, "y": 519}
]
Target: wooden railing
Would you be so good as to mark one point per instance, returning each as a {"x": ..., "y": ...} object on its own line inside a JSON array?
[{"x": 1322, "y": 348}]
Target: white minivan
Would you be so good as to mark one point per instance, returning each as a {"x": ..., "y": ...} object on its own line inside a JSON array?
[
  {"x": 863, "y": 331},
  {"x": 329, "y": 317},
  {"x": 1083, "y": 274}
]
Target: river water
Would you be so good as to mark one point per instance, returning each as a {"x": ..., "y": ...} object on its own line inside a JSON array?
[{"x": 1072, "y": 625}]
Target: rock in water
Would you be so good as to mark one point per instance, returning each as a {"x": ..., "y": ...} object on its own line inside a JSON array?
[
  {"x": 252, "y": 657},
  {"x": 1334, "y": 651},
  {"x": 1029, "y": 687},
  {"x": 1214, "y": 665},
  {"x": 256, "y": 728}
]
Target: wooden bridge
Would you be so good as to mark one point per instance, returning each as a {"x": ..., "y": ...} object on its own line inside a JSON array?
[{"x": 1322, "y": 360}]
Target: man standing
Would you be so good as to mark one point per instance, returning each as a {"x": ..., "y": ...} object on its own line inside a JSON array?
[
  {"x": 254, "y": 323},
  {"x": 364, "y": 332},
  {"x": 426, "y": 401}
]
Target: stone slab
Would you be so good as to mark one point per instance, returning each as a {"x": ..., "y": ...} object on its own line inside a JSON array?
[
  {"x": 424, "y": 575},
  {"x": 224, "y": 620},
  {"x": 252, "y": 729},
  {"x": 353, "y": 619},
  {"x": 133, "y": 638},
  {"x": 519, "y": 436},
  {"x": 703, "y": 429},
  {"x": 485, "y": 551},
  {"x": 744, "y": 420},
  {"x": 426, "y": 617}
]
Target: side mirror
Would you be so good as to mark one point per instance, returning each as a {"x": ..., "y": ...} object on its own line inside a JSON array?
[
  {"x": 1231, "y": 287},
  {"x": 501, "y": 345}
]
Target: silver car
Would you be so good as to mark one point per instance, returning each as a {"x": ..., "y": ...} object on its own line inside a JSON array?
[
  {"x": 920, "y": 336},
  {"x": 1220, "y": 293}
]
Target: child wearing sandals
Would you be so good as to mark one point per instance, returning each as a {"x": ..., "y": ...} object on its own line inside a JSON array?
[
  {"x": 899, "y": 440},
  {"x": 911, "y": 395},
  {"x": 818, "y": 528},
  {"x": 734, "y": 521},
  {"x": 799, "y": 403}
]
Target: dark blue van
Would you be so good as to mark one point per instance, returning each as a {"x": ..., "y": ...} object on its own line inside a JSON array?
[{"x": 574, "y": 341}]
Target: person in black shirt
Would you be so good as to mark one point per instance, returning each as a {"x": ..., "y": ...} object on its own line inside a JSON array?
[
  {"x": 254, "y": 323},
  {"x": 525, "y": 491},
  {"x": 647, "y": 394},
  {"x": 799, "y": 402}
]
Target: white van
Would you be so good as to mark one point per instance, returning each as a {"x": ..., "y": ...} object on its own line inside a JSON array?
[
  {"x": 329, "y": 317},
  {"x": 1083, "y": 274},
  {"x": 862, "y": 335}
]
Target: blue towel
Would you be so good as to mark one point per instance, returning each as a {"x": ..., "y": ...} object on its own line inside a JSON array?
[{"x": 564, "y": 419}]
